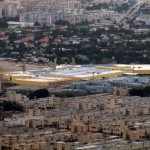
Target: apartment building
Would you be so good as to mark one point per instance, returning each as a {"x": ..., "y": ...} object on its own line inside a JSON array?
[
  {"x": 13, "y": 142},
  {"x": 71, "y": 10},
  {"x": 13, "y": 96},
  {"x": 74, "y": 16},
  {"x": 47, "y": 11},
  {"x": 1, "y": 9},
  {"x": 48, "y": 103},
  {"x": 11, "y": 8},
  {"x": 145, "y": 18},
  {"x": 100, "y": 119},
  {"x": 71, "y": 4},
  {"x": 38, "y": 16}
]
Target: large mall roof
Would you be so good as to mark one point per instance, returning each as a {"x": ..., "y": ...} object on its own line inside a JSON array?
[{"x": 65, "y": 73}]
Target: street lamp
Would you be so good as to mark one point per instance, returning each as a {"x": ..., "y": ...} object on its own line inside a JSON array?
[
  {"x": 134, "y": 68},
  {"x": 133, "y": 71},
  {"x": 93, "y": 74}
]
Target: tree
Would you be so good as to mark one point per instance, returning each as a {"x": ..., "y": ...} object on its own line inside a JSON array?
[
  {"x": 2, "y": 44},
  {"x": 22, "y": 47},
  {"x": 3, "y": 24},
  {"x": 38, "y": 36},
  {"x": 62, "y": 22},
  {"x": 1, "y": 111},
  {"x": 37, "y": 24},
  {"x": 11, "y": 106},
  {"x": 39, "y": 94},
  {"x": 143, "y": 92},
  {"x": 12, "y": 37}
]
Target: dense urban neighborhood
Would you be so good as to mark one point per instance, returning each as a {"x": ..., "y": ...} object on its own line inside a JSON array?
[
  {"x": 100, "y": 36},
  {"x": 86, "y": 44}
]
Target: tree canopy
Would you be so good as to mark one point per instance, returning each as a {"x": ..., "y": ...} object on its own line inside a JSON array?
[
  {"x": 11, "y": 106},
  {"x": 143, "y": 92},
  {"x": 62, "y": 22},
  {"x": 3, "y": 23},
  {"x": 39, "y": 94}
]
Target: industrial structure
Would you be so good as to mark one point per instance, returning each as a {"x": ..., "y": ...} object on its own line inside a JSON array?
[
  {"x": 58, "y": 75},
  {"x": 109, "y": 85}
]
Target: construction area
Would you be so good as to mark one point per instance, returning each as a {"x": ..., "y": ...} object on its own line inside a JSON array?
[{"x": 61, "y": 74}]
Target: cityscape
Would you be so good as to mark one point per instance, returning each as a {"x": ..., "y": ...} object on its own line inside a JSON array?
[{"x": 74, "y": 75}]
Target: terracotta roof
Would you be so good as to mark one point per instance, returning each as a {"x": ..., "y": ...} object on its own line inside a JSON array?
[
  {"x": 44, "y": 40},
  {"x": 1, "y": 33}
]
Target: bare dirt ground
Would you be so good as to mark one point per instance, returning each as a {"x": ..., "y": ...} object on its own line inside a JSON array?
[{"x": 6, "y": 66}]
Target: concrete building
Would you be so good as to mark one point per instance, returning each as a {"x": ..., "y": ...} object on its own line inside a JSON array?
[
  {"x": 36, "y": 16},
  {"x": 46, "y": 12},
  {"x": 70, "y": 10},
  {"x": 145, "y": 18},
  {"x": 103, "y": 120},
  {"x": 1, "y": 9},
  {"x": 11, "y": 7},
  {"x": 98, "y": 86}
]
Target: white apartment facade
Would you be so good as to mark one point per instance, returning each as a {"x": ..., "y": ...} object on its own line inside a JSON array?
[
  {"x": 11, "y": 7},
  {"x": 1, "y": 9}
]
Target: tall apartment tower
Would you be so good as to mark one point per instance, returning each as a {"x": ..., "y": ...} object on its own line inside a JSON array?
[
  {"x": 1, "y": 9},
  {"x": 0, "y": 86},
  {"x": 10, "y": 8}
]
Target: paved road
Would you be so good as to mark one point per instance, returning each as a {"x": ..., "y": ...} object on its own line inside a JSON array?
[{"x": 131, "y": 12}]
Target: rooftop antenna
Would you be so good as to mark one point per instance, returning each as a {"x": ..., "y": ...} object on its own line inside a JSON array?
[
  {"x": 24, "y": 67},
  {"x": 73, "y": 61},
  {"x": 51, "y": 64},
  {"x": 55, "y": 64}
]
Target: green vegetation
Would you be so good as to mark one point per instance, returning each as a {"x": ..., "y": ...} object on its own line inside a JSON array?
[
  {"x": 123, "y": 8},
  {"x": 2, "y": 44},
  {"x": 10, "y": 106},
  {"x": 3, "y": 23},
  {"x": 86, "y": 43},
  {"x": 143, "y": 92},
  {"x": 66, "y": 94},
  {"x": 119, "y": 8},
  {"x": 99, "y": 50},
  {"x": 37, "y": 24},
  {"x": 62, "y": 22},
  {"x": 99, "y": 6},
  {"x": 39, "y": 94}
]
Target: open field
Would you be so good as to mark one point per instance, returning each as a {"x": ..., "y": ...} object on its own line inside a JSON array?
[{"x": 11, "y": 66}]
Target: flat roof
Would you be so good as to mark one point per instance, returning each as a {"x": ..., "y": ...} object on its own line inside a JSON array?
[
  {"x": 36, "y": 80},
  {"x": 136, "y": 66},
  {"x": 24, "y": 87},
  {"x": 80, "y": 71},
  {"x": 18, "y": 23},
  {"x": 87, "y": 147},
  {"x": 70, "y": 72}
]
